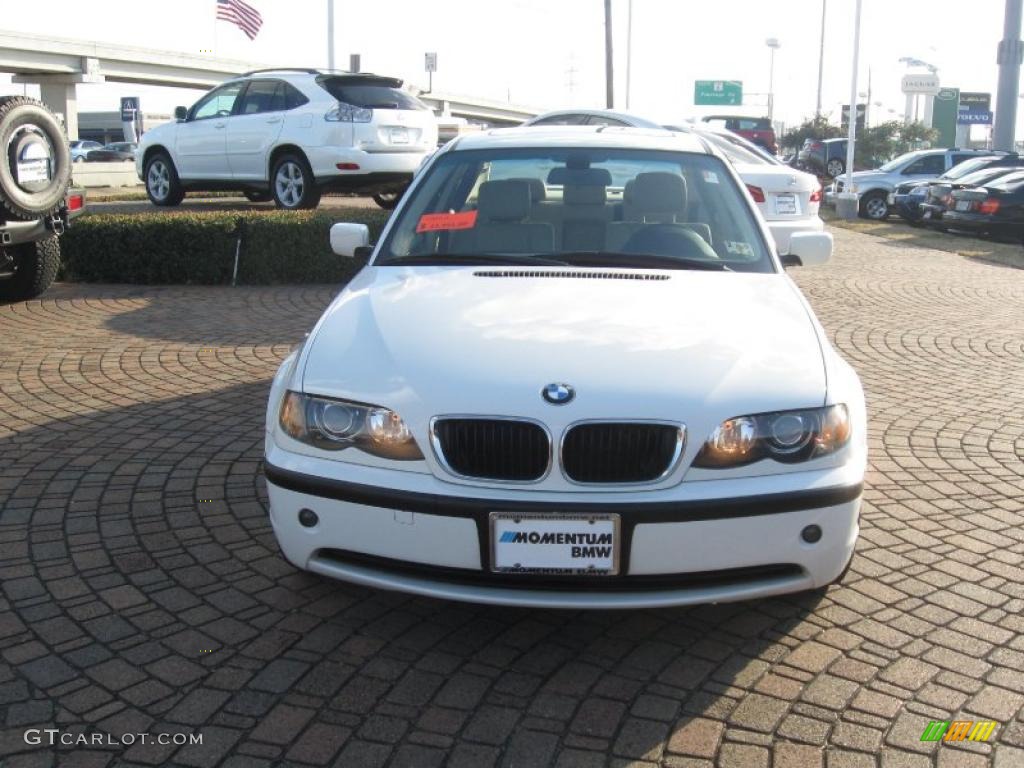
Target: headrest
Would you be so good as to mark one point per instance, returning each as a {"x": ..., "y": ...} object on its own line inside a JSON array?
[
  {"x": 506, "y": 200},
  {"x": 659, "y": 191},
  {"x": 589, "y": 195},
  {"x": 584, "y": 177},
  {"x": 537, "y": 189}
]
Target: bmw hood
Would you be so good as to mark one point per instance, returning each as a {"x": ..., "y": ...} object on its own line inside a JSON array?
[{"x": 674, "y": 345}]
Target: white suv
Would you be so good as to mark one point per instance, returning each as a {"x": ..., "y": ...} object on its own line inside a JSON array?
[{"x": 289, "y": 135}]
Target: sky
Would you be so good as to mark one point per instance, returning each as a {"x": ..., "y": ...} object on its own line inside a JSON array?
[{"x": 550, "y": 53}]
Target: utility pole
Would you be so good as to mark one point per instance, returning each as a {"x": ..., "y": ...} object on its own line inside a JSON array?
[
  {"x": 330, "y": 35},
  {"x": 629, "y": 51},
  {"x": 1009, "y": 57},
  {"x": 609, "y": 81},
  {"x": 821, "y": 57}
]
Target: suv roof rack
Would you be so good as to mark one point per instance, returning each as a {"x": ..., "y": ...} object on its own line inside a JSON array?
[{"x": 307, "y": 70}]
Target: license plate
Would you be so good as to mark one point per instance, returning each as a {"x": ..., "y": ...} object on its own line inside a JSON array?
[
  {"x": 556, "y": 544},
  {"x": 33, "y": 170},
  {"x": 399, "y": 136},
  {"x": 786, "y": 205},
  {"x": 963, "y": 205},
  {"x": 927, "y": 215}
]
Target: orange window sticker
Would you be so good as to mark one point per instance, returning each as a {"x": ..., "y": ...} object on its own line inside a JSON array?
[{"x": 432, "y": 222}]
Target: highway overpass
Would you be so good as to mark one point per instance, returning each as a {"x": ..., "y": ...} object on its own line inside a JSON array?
[{"x": 59, "y": 65}]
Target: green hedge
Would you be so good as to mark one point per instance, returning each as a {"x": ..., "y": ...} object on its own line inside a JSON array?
[{"x": 199, "y": 247}]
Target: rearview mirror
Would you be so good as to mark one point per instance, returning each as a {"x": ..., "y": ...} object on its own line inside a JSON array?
[
  {"x": 181, "y": 113},
  {"x": 346, "y": 238},
  {"x": 811, "y": 248}
]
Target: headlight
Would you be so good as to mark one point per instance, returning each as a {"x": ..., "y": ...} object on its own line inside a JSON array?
[
  {"x": 786, "y": 436},
  {"x": 335, "y": 425}
]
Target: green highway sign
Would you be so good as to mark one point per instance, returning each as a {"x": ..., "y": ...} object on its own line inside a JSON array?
[{"x": 711, "y": 92}]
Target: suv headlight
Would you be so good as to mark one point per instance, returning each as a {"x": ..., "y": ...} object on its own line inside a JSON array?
[
  {"x": 335, "y": 425},
  {"x": 785, "y": 436},
  {"x": 348, "y": 113}
]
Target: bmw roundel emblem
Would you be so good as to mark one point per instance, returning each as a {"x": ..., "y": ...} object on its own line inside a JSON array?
[{"x": 558, "y": 394}]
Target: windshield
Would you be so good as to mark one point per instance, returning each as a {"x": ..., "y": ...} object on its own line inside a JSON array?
[
  {"x": 580, "y": 206},
  {"x": 371, "y": 94},
  {"x": 897, "y": 162},
  {"x": 739, "y": 150},
  {"x": 966, "y": 167}
]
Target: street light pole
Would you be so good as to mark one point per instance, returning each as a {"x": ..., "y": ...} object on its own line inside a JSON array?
[
  {"x": 772, "y": 43},
  {"x": 821, "y": 57},
  {"x": 609, "y": 81},
  {"x": 330, "y": 35},
  {"x": 846, "y": 203},
  {"x": 1009, "y": 59}
]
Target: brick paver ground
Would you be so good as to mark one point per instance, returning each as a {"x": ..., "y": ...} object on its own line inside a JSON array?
[{"x": 142, "y": 590}]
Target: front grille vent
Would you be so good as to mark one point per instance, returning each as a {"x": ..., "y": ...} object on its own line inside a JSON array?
[
  {"x": 571, "y": 275},
  {"x": 493, "y": 449},
  {"x": 619, "y": 452}
]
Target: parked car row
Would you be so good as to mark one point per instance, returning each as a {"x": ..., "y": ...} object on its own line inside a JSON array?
[
  {"x": 874, "y": 187},
  {"x": 93, "y": 151}
]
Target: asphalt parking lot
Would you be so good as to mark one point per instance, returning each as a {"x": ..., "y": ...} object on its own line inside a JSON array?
[{"x": 142, "y": 590}]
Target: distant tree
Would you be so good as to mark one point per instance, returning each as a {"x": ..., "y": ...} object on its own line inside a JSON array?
[
  {"x": 882, "y": 142},
  {"x": 815, "y": 128}
]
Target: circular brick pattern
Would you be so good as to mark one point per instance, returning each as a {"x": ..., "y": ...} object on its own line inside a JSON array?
[{"x": 142, "y": 590}]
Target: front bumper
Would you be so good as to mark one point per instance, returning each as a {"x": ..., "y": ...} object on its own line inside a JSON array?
[{"x": 673, "y": 552}]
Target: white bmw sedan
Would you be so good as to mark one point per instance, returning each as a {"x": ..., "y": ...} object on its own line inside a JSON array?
[{"x": 543, "y": 392}]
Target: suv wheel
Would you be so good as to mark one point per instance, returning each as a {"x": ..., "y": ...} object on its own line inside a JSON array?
[
  {"x": 293, "y": 185},
  {"x": 835, "y": 167},
  {"x": 162, "y": 184},
  {"x": 388, "y": 200},
  {"x": 874, "y": 206},
  {"x": 35, "y": 267}
]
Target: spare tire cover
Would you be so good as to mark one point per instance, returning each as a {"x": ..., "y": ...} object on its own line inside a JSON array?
[{"x": 35, "y": 167}]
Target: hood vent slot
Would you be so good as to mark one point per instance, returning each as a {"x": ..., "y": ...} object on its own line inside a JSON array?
[{"x": 577, "y": 275}]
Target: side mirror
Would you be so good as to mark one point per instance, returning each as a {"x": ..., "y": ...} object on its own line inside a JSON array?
[
  {"x": 809, "y": 248},
  {"x": 181, "y": 113},
  {"x": 346, "y": 238}
]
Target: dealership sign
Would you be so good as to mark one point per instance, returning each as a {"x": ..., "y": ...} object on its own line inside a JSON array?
[
  {"x": 975, "y": 108},
  {"x": 927, "y": 84}
]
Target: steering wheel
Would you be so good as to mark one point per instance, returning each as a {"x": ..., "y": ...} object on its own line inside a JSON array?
[{"x": 669, "y": 240}]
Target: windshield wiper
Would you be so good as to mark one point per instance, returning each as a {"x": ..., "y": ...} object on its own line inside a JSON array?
[
  {"x": 639, "y": 261},
  {"x": 471, "y": 259}
]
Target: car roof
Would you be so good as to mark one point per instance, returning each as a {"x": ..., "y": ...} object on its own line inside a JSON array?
[
  {"x": 626, "y": 117},
  {"x": 560, "y": 136}
]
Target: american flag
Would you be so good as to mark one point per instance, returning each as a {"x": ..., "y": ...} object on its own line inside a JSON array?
[{"x": 242, "y": 15}]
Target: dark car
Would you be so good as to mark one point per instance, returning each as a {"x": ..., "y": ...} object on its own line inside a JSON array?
[
  {"x": 996, "y": 208},
  {"x": 907, "y": 199},
  {"x": 118, "y": 150},
  {"x": 758, "y": 130},
  {"x": 825, "y": 157}
]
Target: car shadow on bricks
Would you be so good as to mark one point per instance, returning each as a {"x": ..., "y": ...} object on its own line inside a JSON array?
[{"x": 143, "y": 592}]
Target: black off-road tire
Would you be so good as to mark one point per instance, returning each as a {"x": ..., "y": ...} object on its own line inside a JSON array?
[
  {"x": 305, "y": 193},
  {"x": 166, "y": 178},
  {"x": 28, "y": 120},
  {"x": 35, "y": 267}
]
